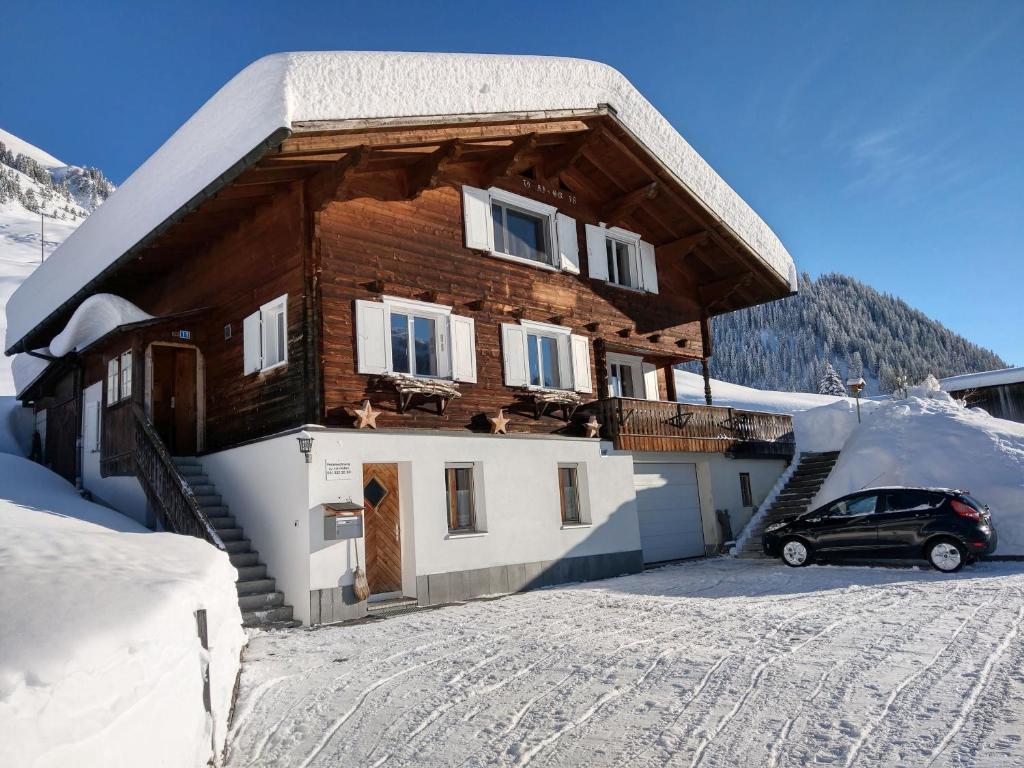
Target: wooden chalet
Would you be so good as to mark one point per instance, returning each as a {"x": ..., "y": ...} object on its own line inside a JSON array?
[{"x": 513, "y": 285}]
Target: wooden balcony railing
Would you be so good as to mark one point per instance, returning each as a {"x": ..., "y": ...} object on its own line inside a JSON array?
[
  {"x": 650, "y": 425},
  {"x": 169, "y": 494}
]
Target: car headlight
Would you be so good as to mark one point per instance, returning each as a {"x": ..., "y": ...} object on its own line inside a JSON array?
[{"x": 775, "y": 527}]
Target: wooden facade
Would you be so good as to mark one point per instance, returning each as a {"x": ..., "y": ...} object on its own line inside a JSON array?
[
  {"x": 1004, "y": 401},
  {"x": 356, "y": 211}
]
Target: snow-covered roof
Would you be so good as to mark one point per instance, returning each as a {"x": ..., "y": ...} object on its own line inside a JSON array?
[
  {"x": 279, "y": 91},
  {"x": 983, "y": 379}
]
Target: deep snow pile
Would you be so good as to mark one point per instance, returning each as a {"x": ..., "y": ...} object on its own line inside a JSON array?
[
  {"x": 690, "y": 389},
  {"x": 100, "y": 662},
  {"x": 932, "y": 440}
]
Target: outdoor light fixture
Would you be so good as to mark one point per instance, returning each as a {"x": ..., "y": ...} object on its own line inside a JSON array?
[
  {"x": 856, "y": 385},
  {"x": 306, "y": 445}
]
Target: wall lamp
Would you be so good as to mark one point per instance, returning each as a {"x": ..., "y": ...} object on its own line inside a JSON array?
[{"x": 306, "y": 445}]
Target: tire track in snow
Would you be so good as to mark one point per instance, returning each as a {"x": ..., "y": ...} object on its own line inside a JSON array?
[
  {"x": 862, "y": 737},
  {"x": 976, "y": 689}
]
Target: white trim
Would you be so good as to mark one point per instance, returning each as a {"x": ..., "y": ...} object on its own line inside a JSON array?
[
  {"x": 527, "y": 203},
  {"x": 412, "y": 305},
  {"x": 635, "y": 362},
  {"x": 533, "y": 325},
  {"x": 466, "y": 535},
  {"x": 521, "y": 260}
]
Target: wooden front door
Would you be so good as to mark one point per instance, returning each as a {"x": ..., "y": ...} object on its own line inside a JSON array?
[
  {"x": 61, "y": 436},
  {"x": 174, "y": 398},
  {"x": 382, "y": 528}
]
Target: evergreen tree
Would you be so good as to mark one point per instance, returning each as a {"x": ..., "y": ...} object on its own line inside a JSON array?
[{"x": 830, "y": 383}]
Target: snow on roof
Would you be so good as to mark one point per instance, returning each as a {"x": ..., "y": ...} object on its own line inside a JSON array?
[
  {"x": 26, "y": 370},
  {"x": 983, "y": 379},
  {"x": 281, "y": 90},
  {"x": 95, "y": 317},
  {"x": 22, "y": 147}
]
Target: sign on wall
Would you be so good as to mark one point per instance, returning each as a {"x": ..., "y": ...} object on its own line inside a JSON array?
[{"x": 337, "y": 470}]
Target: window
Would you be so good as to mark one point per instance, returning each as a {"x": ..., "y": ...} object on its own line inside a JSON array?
[
  {"x": 621, "y": 380},
  {"x": 622, "y": 262},
  {"x": 629, "y": 376},
  {"x": 748, "y": 497},
  {"x": 517, "y": 228},
  {"x": 545, "y": 356},
  {"x": 621, "y": 258},
  {"x": 458, "y": 479},
  {"x": 415, "y": 338},
  {"x": 858, "y": 505},
  {"x": 119, "y": 378},
  {"x": 569, "y": 496},
  {"x": 906, "y": 500},
  {"x": 265, "y": 336}
]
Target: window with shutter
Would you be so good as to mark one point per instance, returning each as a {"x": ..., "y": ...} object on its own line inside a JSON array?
[
  {"x": 620, "y": 257},
  {"x": 650, "y": 372},
  {"x": 265, "y": 337},
  {"x": 545, "y": 356},
  {"x": 113, "y": 381},
  {"x": 625, "y": 376},
  {"x": 517, "y": 228}
]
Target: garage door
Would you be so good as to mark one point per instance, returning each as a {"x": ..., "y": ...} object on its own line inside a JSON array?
[{"x": 669, "y": 510}]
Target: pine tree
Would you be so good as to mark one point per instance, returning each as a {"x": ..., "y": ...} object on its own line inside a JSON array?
[{"x": 830, "y": 383}]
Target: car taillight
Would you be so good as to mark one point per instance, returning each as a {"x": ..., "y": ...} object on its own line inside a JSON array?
[{"x": 965, "y": 510}]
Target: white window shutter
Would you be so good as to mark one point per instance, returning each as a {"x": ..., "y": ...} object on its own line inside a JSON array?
[
  {"x": 476, "y": 211},
  {"x": 650, "y": 381},
  {"x": 463, "y": 345},
  {"x": 252, "y": 342},
  {"x": 371, "y": 337},
  {"x": 597, "y": 253},
  {"x": 568, "y": 243},
  {"x": 648, "y": 267},
  {"x": 581, "y": 364},
  {"x": 513, "y": 353},
  {"x": 91, "y": 436}
]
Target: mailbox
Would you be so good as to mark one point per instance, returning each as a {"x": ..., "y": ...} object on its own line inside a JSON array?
[{"x": 343, "y": 521}]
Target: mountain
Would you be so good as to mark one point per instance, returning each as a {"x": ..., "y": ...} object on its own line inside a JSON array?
[
  {"x": 42, "y": 201},
  {"x": 785, "y": 345}
]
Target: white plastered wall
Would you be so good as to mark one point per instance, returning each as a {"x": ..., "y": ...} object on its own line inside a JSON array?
[
  {"x": 121, "y": 493},
  {"x": 517, "y": 487}
]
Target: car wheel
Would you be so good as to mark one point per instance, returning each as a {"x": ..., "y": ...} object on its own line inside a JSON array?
[
  {"x": 946, "y": 555},
  {"x": 795, "y": 553}
]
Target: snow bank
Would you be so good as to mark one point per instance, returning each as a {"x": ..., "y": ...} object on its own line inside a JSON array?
[
  {"x": 21, "y": 147},
  {"x": 935, "y": 441},
  {"x": 16, "y": 427},
  {"x": 100, "y": 663},
  {"x": 690, "y": 389},
  {"x": 95, "y": 317},
  {"x": 828, "y": 427},
  {"x": 284, "y": 89}
]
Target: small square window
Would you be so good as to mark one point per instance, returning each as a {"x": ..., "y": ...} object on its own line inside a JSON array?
[
  {"x": 520, "y": 233},
  {"x": 748, "y": 497},
  {"x": 569, "y": 495},
  {"x": 374, "y": 492},
  {"x": 119, "y": 378},
  {"x": 458, "y": 480}
]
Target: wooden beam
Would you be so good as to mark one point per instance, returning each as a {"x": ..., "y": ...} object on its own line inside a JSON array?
[
  {"x": 330, "y": 184},
  {"x": 427, "y": 173},
  {"x": 718, "y": 291},
  {"x": 684, "y": 246},
  {"x": 564, "y": 157},
  {"x": 509, "y": 157},
  {"x": 629, "y": 202}
]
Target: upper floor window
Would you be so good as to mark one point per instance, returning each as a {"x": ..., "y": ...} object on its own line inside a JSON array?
[
  {"x": 621, "y": 258},
  {"x": 518, "y": 228},
  {"x": 119, "y": 377},
  {"x": 630, "y": 376},
  {"x": 415, "y": 338},
  {"x": 545, "y": 356},
  {"x": 265, "y": 336}
]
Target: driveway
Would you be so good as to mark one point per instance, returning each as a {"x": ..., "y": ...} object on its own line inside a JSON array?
[{"x": 714, "y": 663}]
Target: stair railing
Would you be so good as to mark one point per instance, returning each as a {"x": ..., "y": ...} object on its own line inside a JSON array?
[{"x": 168, "y": 492}]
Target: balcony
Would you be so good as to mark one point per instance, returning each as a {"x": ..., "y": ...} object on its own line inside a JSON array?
[{"x": 650, "y": 425}]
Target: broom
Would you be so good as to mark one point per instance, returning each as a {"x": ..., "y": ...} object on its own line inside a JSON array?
[{"x": 359, "y": 584}]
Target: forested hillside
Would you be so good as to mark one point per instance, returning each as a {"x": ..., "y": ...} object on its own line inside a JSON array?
[{"x": 784, "y": 345}]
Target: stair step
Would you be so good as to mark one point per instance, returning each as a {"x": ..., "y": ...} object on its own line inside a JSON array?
[
  {"x": 214, "y": 510},
  {"x": 208, "y": 499},
  {"x": 186, "y": 461},
  {"x": 231, "y": 534},
  {"x": 243, "y": 559},
  {"x": 234, "y": 547},
  {"x": 256, "y": 587},
  {"x": 222, "y": 522},
  {"x": 261, "y": 601},
  {"x": 196, "y": 480},
  {"x": 203, "y": 489},
  {"x": 270, "y": 616},
  {"x": 249, "y": 572}
]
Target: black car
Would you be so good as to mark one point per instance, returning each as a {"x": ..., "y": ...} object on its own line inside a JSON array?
[{"x": 944, "y": 526}]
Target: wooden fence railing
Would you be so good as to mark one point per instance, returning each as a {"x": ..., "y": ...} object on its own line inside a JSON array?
[
  {"x": 168, "y": 492},
  {"x": 650, "y": 425}
]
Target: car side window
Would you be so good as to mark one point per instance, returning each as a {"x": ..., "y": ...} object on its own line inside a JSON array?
[
  {"x": 911, "y": 501},
  {"x": 859, "y": 505}
]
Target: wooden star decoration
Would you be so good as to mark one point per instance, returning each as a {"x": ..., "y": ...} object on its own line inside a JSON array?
[
  {"x": 499, "y": 424},
  {"x": 366, "y": 416},
  {"x": 593, "y": 427}
]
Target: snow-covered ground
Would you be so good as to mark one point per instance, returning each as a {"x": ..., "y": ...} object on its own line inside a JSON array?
[
  {"x": 690, "y": 389},
  {"x": 713, "y": 663},
  {"x": 100, "y": 661}
]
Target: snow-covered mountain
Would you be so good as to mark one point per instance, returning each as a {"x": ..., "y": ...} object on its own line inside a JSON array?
[
  {"x": 784, "y": 345},
  {"x": 42, "y": 201}
]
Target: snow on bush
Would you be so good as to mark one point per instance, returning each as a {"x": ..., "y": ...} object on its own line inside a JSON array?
[
  {"x": 930, "y": 439},
  {"x": 100, "y": 661}
]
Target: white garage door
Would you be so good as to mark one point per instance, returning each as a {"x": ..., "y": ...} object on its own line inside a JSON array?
[{"x": 669, "y": 510}]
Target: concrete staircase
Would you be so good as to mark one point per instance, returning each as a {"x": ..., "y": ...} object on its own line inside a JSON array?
[
  {"x": 262, "y": 605},
  {"x": 793, "y": 499}
]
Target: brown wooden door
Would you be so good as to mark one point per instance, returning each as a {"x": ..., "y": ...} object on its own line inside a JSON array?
[
  {"x": 61, "y": 438},
  {"x": 174, "y": 398},
  {"x": 382, "y": 531}
]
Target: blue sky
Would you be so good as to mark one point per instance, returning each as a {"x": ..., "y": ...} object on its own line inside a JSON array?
[{"x": 882, "y": 140}]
